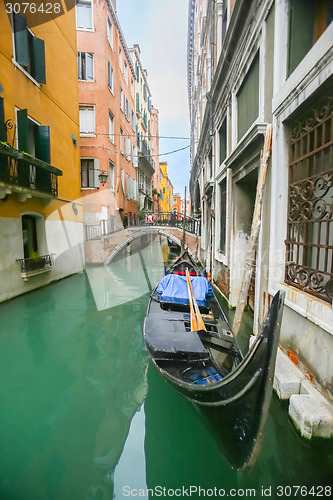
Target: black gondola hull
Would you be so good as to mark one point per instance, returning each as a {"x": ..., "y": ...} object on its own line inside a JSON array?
[{"x": 235, "y": 405}]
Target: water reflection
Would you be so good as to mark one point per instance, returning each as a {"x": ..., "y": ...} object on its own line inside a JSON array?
[
  {"x": 72, "y": 378},
  {"x": 84, "y": 414},
  {"x": 131, "y": 275}
]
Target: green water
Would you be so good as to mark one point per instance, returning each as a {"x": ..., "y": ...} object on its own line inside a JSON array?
[{"x": 85, "y": 416}]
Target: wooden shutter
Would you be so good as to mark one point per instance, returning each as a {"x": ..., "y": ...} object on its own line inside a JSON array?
[
  {"x": 3, "y": 132},
  {"x": 42, "y": 144},
  {"x": 89, "y": 67},
  {"x": 21, "y": 40},
  {"x": 38, "y": 59},
  {"x": 301, "y": 25},
  {"x": 248, "y": 99},
  {"x": 79, "y": 65},
  {"x": 223, "y": 141},
  {"x": 22, "y": 122},
  {"x": 96, "y": 172}
]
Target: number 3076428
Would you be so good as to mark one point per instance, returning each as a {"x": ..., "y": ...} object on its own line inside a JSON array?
[{"x": 33, "y": 8}]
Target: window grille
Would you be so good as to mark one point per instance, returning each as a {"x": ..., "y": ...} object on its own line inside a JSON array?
[{"x": 309, "y": 243}]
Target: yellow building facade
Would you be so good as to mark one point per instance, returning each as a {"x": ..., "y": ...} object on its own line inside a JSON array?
[
  {"x": 41, "y": 229},
  {"x": 166, "y": 189}
]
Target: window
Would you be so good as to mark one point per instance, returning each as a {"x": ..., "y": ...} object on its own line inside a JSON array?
[
  {"x": 29, "y": 232},
  {"x": 307, "y": 22},
  {"x": 121, "y": 141},
  {"x": 132, "y": 87},
  {"x": 89, "y": 173},
  {"x": 87, "y": 120},
  {"x": 223, "y": 141},
  {"x": 137, "y": 72},
  {"x": 110, "y": 77},
  {"x": 33, "y": 139},
  {"x": 135, "y": 157},
  {"x": 29, "y": 50},
  {"x": 85, "y": 62},
  {"x": 223, "y": 214},
  {"x": 84, "y": 14},
  {"x": 128, "y": 148},
  {"x": 120, "y": 59},
  {"x": 110, "y": 32},
  {"x": 309, "y": 242},
  {"x": 248, "y": 99},
  {"x": 133, "y": 121},
  {"x": 126, "y": 71},
  {"x": 111, "y": 175},
  {"x": 137, "y": 101},
  {"x": 111, "y": 127},
  {"x": 127, "y": 109},
  {"x": 121, "y": 99},
  {"x": 145, "y": 94}
]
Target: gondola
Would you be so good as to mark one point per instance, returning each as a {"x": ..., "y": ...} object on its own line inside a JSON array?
[{"x": 204, "y": 363}]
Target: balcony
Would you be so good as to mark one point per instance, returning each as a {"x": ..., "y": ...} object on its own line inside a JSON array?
[
  {"x": 25, "y": 175},
  {"x": 145, "y": 159},
  {"x": 36, "y": 265}
]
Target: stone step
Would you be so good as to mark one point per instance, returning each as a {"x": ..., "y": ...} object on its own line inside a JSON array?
[{"x": 311, "y": 413}]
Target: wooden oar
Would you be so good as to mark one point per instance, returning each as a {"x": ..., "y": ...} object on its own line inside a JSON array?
[
  {"x": 199, "y": 323},
  {"x": 193, "y": 318}
]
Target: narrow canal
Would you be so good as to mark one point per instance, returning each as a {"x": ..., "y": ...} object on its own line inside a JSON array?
[{"x": 85, "y": 416}]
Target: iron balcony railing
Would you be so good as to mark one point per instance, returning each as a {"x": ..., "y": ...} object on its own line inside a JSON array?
[
  {"x": 36, "y": 265},
  {"x": 21, "y": 170}
]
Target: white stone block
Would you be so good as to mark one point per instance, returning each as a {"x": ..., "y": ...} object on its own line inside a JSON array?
[
  {"x": 288, "y": 378},
  {"x": 312, "y": 414}
]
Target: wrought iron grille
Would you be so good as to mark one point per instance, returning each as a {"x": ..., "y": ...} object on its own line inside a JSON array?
[
  {"x": 309, "y": 243},
  {"x": 41, "y": 263}
]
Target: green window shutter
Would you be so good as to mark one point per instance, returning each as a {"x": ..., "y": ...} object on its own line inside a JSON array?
[
  {"x": 3, "y": 133},
  {"x": 248, "y": 99},
  {"x": 223, "y": 141},
  {"x": 38, "y": 59},
  {"x": 22, "y": 122},
  {"x": 42, "y": 144},
  {"x": 21, "y": 40},
  {"x": 301, "y": 24}
]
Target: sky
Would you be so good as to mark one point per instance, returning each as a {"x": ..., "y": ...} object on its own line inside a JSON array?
[{"x": 160, "y": 29}]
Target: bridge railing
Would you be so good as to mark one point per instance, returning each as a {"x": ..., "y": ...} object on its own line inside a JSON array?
[
  {"x": 143, "y": 219},
  {"x": 170, "y": 219}
]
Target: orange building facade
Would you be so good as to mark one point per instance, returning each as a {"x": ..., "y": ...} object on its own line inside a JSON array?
[{"x": 107, "y": 116}]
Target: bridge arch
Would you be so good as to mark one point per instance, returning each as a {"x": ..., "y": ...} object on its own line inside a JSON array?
[{"x": 101, "y": 246}]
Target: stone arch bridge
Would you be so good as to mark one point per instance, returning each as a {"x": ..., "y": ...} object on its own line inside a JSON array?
[{"x": 102, "y": 246}]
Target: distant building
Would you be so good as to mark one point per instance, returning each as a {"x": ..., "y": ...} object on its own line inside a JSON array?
[
  {"x": 109, "y": 154},
  {"x": 166, "y": 189},
  {"x": 41, "y": 229},
  {"x": 143, "y": 108},
  {"x": 155, "y": 150},
  {"x": 177, "y": 203},
  {"x": 251, "y": 64}
]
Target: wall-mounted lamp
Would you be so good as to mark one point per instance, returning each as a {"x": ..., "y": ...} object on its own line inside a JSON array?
[{"x": 103, "y": 177}]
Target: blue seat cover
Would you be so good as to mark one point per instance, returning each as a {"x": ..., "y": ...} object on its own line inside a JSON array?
[{"x": 173, "y": 288}]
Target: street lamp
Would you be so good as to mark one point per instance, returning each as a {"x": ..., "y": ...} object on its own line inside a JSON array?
[{"x": 103, "y": 177}]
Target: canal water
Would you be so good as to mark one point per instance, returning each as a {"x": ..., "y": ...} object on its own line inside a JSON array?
[{"x": 85, "y": 416}]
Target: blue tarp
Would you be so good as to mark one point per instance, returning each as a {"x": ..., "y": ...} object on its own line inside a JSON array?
[{"x": 173, "y": 288}]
